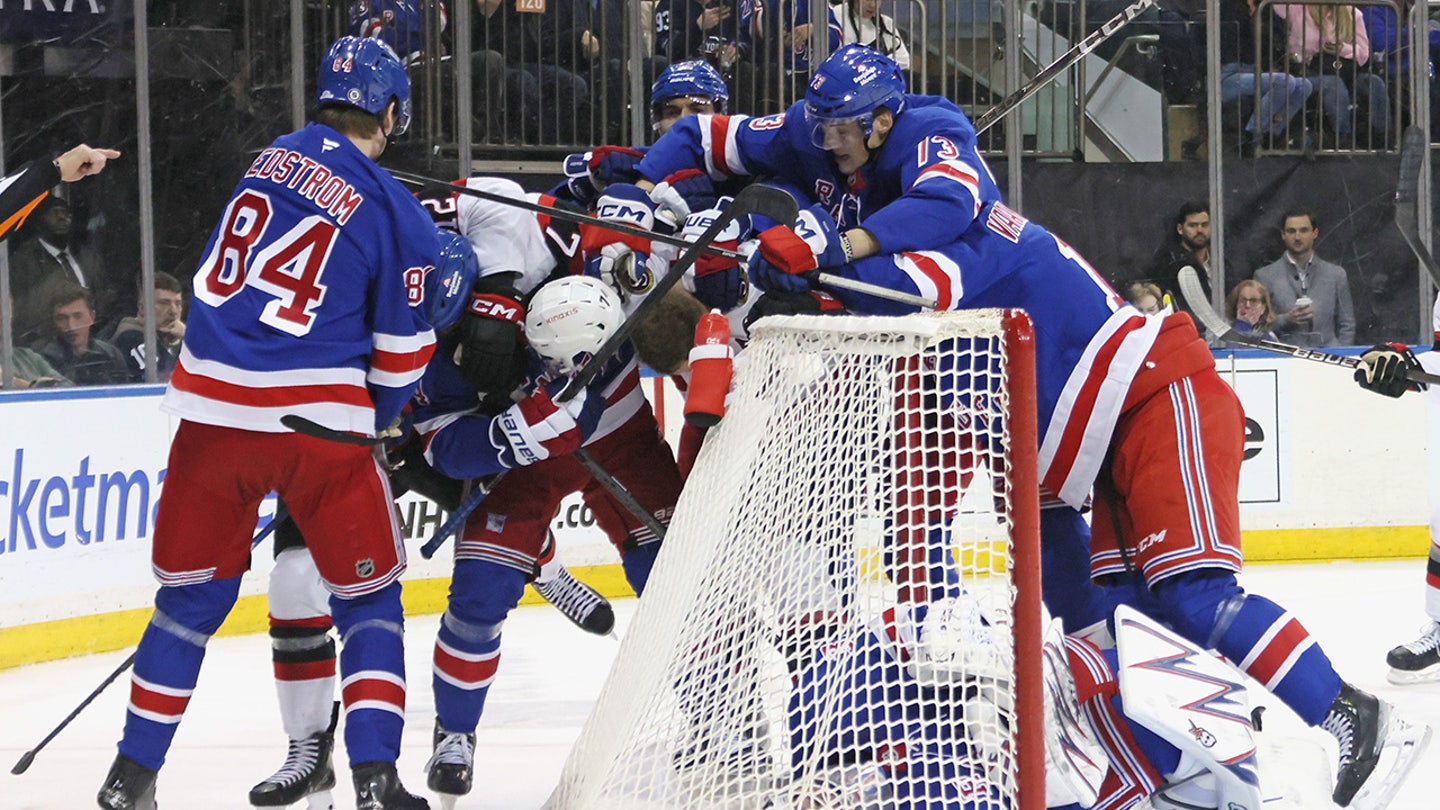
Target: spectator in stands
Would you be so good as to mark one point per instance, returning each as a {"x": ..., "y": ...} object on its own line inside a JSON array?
[
  {"x": 46, "y": 264},
  {"x": 1146, "y": 297},
  {"x": 32, "y": 370},
  {"x": 129, "y": 336},
  {"x": 1330, "y": 46},
  {"x": 1311, "y": 296},
  {"x": 1281, "y": 94},
  {"x": 552, "y": 102},
  {"x": 1248, "y": 308},
  {"x": 861, "y": 21},
  {"x": 1390, "y": 47},
  {"x": 1188, "y": 244},
  {"x": 723, "y": 33},
  {"x": 74, "y": 352}
]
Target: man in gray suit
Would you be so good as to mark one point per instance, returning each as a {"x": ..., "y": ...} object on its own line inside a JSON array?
[{"x": 1311, "y": 296}]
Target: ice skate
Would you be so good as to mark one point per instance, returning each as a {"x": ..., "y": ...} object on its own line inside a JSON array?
[
  {"x": 377, "y": 787},
  {"x": 580, "y": 603},
  {"x": 128, "y": 786},
  {"x": 1417, "y": 661},
  {"x": 451, "y": 766},
  {"x": 1377, "y": 749},
  {"x": 307, "y": 773}
]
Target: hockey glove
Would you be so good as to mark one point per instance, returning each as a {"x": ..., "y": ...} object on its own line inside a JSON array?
[
  {"x": 620, "y": 259},
  {"x": 694, "y": 186},
  {"x": 810, "y": 302},
  {"x": 1382, "y": 370},
  {"x": 489, "y": 330},
  {"x": 719, "y": 281},
  {"x": 537, "y": 428},
  {"x": 614, "y": 164},
  {"x": 577, "y": 178},
  {"x": 815, "y": 241}
]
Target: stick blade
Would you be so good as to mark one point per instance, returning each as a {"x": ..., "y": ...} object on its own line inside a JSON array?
[
  {"x": 767, "y": 201},
  {"x": 24, "y": 764},
  {"x": 1412, "y": 159},
  {"x": 1195, "y": 299}
]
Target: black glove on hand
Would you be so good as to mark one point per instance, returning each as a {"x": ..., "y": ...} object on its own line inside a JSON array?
[
  {"x": 489, "y": 332},
  {"x": 811, "y": 302},
  {"x": 1382, "y": 370}
]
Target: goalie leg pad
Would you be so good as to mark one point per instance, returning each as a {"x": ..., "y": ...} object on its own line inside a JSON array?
[
  {"x": 1192, "y": 700},
  {"x": 467, "y": 648}
]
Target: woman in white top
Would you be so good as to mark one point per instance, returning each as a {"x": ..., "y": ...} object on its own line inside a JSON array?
[{"x": 862, "y": 22}]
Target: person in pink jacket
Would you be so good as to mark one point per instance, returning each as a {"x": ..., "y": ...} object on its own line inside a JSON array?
[{"x": 1330, "y": 46}]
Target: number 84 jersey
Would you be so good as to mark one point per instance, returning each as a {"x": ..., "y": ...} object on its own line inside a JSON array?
[{"x": 307, "y": 298}]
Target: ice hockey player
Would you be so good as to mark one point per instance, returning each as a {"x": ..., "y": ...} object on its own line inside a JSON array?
[
  {"x": 343, "y": 344},
  {"x": 1125, "y": 402},
  {"x": 1383, "y": 370},
  {"x": 566, "y": 322}
]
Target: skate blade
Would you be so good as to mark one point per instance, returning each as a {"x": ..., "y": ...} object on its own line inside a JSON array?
[
  {"x": 320, "y": 801},
  {"x": 1404, "y": 743},
  {"x": 447, "y": 800},
  {"x": 1401, "y": 677}
]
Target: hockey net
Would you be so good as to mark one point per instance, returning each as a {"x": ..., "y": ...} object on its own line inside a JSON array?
[{"x": 846, "y": 610}]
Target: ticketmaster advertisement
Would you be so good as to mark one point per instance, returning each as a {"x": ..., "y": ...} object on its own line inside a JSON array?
[{"x": 81, "y": 471}]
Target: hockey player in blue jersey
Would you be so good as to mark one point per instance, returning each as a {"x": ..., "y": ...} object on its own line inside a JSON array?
[
  {"x": 566, "y": 321},
  {"x": 306, "y": 302},
  {"x": 1131, "y": 406}
]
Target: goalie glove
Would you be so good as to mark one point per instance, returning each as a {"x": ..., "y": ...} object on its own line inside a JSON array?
[
  {"x": 1382, "y": 370},
  {"x": 489, "y": 332},
  {"x": 620, "y": 259},
  {"x": 537, "y": 427}
]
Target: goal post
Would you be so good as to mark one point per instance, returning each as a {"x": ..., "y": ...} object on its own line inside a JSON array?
[{"x": 846, "y": 611}]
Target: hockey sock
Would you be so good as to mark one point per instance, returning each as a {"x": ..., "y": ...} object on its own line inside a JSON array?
[
  {"x": 1257, "y": 635},
  {"x": 467, "y": 648},
  {"x": 637, "y": 563},
  {"x": 167, "y": 664},
  {"x": 1432, "y": 572},
  {"x": 300, "y": 643},
  {"x": 372, "y": 669},
  {"x": 549, "y": 562}
]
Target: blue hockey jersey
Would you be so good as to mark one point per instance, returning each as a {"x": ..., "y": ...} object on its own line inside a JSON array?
[
  {"x": 921, "y": 190},
  {"x": 307, "y": 299},
  {"x": 1089, "y": 343}
]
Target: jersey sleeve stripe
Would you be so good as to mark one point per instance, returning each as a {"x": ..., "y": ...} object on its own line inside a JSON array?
[
  {"x": 935, "y": 274},
  {"x": 957, "y": 172},
  {"x": 1079, "y": 429},
  {"x": 403, "y": 344},
  {"x": 720, "y": 146}
]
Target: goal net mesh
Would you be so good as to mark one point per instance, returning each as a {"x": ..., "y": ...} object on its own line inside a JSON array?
[{"x": 832, "y": 622}]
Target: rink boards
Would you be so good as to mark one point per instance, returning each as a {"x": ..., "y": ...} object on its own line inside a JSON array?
[{"x": 1331, "y": 472}]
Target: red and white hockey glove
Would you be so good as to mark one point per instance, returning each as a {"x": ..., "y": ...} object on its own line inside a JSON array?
[
  {"x": 1382, "y": 370},
  {"x": 620, "y": 259},
  {"x": 537, "y": 427},
  {"x": 815, "y": 241},
  {"x": 718, "y": 280},
  {"x": 614, "y": 164}
]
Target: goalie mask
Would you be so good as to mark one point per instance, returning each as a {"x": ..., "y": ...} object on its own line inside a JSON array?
[{"x": 569, "y": 319}]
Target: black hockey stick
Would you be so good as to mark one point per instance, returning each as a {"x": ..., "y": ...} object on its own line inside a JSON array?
[
  {"x": 1407, "y": 197},
  {"x": 664, "y": 238},
  {"x": 315, "y": 430},
  {"x": 23, "y": 764},
  {"x": 1195, "y": 297},
  {"x": 1068, "y": 59}
]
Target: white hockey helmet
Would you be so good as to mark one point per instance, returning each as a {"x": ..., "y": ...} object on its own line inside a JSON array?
[{"x": 569, "y": 319}]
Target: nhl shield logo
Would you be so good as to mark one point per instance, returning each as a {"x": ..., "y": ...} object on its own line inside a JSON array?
[{"x": 365, "y": 568}]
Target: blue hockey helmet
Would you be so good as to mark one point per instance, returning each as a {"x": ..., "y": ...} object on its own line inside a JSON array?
[
  {"x": 849, "y": 86},
  {"x": 365, "y": 73},
  {"x": 695, "y": 79},
  {"x": 447, "y": 287},
  {"x": 400, "y": 23}
]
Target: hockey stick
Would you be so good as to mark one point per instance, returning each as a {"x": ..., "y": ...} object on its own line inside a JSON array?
[
  {"x": 1067, "y": 60},
  {"x": 1195, "y": 298},
  {"x": 626, "y": 228},
  {"x": 23, "y": 764},
  {"x": 1407, "y": 196},
  {"x": 315, "y": 430}
]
